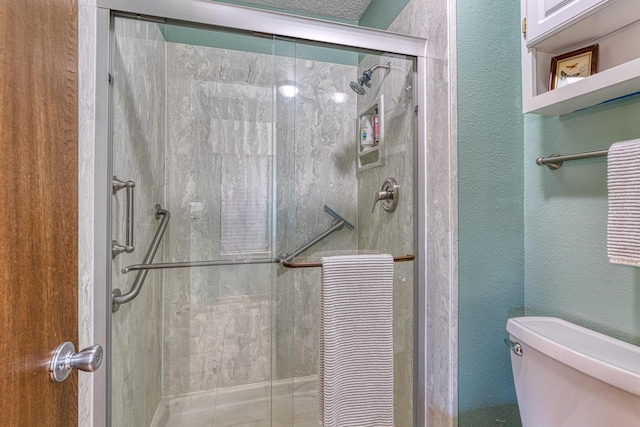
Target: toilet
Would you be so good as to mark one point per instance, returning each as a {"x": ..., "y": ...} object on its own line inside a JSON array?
[{"x": 569, "y": 376}]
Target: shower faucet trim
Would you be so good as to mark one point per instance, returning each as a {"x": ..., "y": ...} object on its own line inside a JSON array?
[{"x": 389, "y": 195}]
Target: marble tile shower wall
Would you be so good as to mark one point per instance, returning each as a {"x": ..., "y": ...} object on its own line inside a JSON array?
[
  {"x": 393, "y": 232},
  {"x": 138, "y": 155},
  {"x": 315, "y": 166},
  {"x": 220, "y": 152},
  {"x": 435, "y": 20},
  {"x": 325, "y": 174},
  {"x": 217, "y": 325}
]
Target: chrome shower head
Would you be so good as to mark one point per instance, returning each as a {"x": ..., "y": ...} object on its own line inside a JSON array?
[
  {"x": 357, "y": 88},
  {"x": 365, "y": 80}
]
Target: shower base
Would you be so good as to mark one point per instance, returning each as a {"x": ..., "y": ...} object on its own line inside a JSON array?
[{"x": 281, "y": 403}]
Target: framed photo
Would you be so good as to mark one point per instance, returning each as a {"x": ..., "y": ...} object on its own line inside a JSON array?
[{"x": 573, "y": 66}]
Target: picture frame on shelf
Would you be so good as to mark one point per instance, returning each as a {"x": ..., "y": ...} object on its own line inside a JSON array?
[{"x": 573, "y": 66}]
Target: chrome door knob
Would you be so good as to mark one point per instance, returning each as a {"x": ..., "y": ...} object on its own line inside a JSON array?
[{"x": 65, "y": 359}]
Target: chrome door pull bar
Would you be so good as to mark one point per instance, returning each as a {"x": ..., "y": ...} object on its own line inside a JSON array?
[{"x": 117, "y": 248}]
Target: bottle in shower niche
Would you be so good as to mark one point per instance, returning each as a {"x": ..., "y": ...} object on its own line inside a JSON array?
[
  {"x": 366, "y": 132},
  {"x": 376, "y": 129}
]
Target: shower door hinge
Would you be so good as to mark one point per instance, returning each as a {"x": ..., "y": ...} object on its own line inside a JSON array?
[
  {"x": 415, "y": 109},
  {"x": 110, "y": 78}
]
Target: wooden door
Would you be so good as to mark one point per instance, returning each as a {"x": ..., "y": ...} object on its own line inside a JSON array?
[{"x": 38, "y": 208}]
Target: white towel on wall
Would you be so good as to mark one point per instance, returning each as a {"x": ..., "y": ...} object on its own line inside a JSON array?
[
  {"x": 623, "y": 184},
  {"x": 355, "y": 364}
]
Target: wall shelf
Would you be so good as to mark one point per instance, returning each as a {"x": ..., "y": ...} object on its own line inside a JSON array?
[
  {"x": 614, "y": 25},
  {"x": 371, "y": 156}
]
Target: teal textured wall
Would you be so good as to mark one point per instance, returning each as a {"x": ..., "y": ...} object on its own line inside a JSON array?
[
  {"x": 567, "y": 273},
  {"x": 528, "y": 236},
  {"x": 491, "y": 206},
  {"x": 381, "y": 13}
]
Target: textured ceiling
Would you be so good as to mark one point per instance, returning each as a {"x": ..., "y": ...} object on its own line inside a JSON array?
[{"x": 346, "y": 9}]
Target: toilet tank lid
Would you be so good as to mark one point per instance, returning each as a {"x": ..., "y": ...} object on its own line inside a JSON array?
[{"x": 605, "y": 358}]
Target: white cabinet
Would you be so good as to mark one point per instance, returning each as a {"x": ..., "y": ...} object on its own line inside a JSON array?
[
  {"x": 555, "y": 27},
  {"x": 544, "y": 17}
]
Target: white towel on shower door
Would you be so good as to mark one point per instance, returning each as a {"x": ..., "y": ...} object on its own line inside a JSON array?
[
  {"x": 355, "y": 369},
  {"x": 623, "y": 185}
]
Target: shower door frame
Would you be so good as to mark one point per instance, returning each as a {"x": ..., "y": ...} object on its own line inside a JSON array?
[{"x": 97, "y": 404}]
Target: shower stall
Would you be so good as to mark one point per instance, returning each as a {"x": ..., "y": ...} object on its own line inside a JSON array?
[{"x": 235, "y": 155}]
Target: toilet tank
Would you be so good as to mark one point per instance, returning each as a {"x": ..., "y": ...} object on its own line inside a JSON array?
[{"x": 570, "y": 376}]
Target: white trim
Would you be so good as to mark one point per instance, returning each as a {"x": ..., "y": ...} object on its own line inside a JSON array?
[
  {"x": 453, "y": 213},
  {"x": 261, "y": 21},
  {"x": 422, "y": 233}
]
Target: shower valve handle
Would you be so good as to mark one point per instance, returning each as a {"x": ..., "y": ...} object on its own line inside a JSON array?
[
  {"x": 382, "y": 195},
  {"x": 389, "y": 194}
]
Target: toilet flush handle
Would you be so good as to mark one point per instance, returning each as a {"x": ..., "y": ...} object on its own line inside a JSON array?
[{"x": 514, "y": 346}]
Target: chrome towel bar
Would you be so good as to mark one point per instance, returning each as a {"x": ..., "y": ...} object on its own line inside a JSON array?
[
  {"x": 282, "y": 261},
  {"x": 319, "y": 264},
  {"x": 337, "y": 224},
  {"x": 554, "y": 161}
]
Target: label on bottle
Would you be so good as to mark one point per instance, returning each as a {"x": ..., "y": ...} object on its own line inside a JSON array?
[
  {"x": 376, "y": 130},
  {"x": 366, "y": 131}
]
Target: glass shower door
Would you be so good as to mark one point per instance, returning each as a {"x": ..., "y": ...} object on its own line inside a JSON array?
[
  {"x": 193, "y": 127},
  {"x": 330, "y": 164},
  {"x": 254, "y": 145}
]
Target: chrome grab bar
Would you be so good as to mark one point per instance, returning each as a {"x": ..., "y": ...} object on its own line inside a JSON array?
[
  {"x": 284, "y": 260},
  {"x": 117, "y": 297},
  {"x": 336, "y": 225},
  {"x": 117, "y": 248},
  {"x": 189, "y": 264}
]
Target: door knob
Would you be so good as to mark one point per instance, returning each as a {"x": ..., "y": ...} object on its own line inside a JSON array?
[{"x": 65, "y": 359}]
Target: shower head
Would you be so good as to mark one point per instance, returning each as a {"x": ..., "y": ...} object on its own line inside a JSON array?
[
  {"x": 357, "y": 88},
  {"x": 365, "y": 80}
]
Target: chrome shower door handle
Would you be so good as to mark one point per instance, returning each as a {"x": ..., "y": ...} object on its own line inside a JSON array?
[
  {"x": 65, "y": 359},
  {"x": 117, "y": 248}
]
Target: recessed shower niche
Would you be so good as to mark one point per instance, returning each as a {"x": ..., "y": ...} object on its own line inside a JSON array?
[{"x": 370, "y": 135}]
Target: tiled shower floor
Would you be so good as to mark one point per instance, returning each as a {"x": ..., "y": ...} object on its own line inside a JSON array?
[{"x": 293, "y": 403}]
